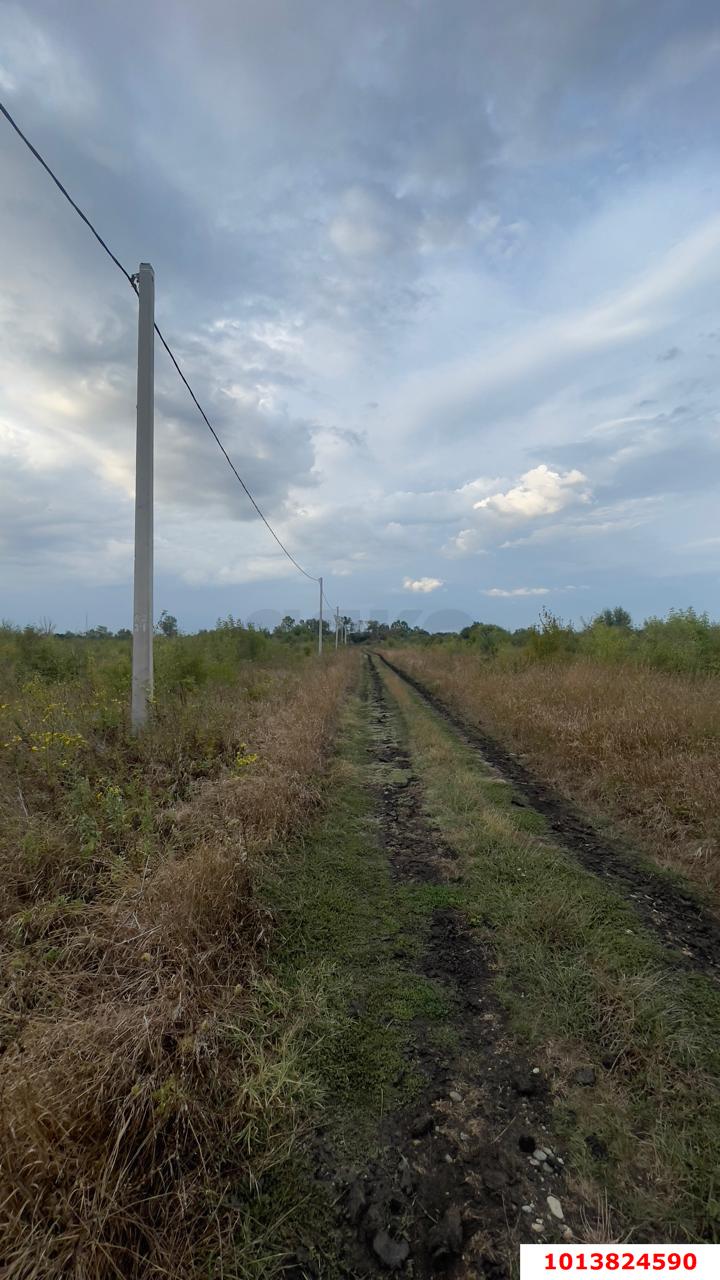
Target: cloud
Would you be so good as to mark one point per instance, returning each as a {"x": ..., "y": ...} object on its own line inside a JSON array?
[
  {"x": 541, "y": 492},
  {"x": 386, "y": 270},
  {"x": 517, "y": 591},
  {"x": 424, "y": 585},
  {"x": 370, "y": 222},
  {"x": 613, "y": 319},
  {"x": 467, "y": 542}
]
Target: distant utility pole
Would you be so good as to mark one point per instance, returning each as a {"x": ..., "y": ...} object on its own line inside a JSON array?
[
  {"x": 142, "y": 652},
  {"x": 337, "y": 626},
  {"x": 320, "y": 620}
]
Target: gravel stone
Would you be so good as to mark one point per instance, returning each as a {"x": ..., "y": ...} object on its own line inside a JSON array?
[{"x": 555, "y": 1207}]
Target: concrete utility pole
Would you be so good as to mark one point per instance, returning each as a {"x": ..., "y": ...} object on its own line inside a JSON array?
[
  {"x": 320, "y": 620},
  {"x": 337, "y": 626},
  {"x": 142, "y": 651}
]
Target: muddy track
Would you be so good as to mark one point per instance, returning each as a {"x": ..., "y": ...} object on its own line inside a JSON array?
[
  {"x": 468, "y": 1168},
  {"x": 671, "y": 913}
]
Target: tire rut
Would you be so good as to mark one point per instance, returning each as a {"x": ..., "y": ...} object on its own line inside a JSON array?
[
  {"x": 681, "y": 923},
  {"x": 469, "y": 1171}
]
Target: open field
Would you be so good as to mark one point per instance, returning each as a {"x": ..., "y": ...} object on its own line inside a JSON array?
[
  {"x": 636, "y": 747},
  {"x": 302, "y": 984},
  {"x": 144, "y": 1090}
]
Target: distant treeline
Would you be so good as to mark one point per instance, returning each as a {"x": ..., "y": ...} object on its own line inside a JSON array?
[
  {"x": 683, "y": 641},
  {"x": 181, "y": 661}
]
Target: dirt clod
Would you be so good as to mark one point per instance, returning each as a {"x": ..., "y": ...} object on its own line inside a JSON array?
[{"x": 391, "y": 1252}]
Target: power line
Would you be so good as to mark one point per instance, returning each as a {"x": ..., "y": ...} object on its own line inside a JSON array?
[
  {"x": 131, "y": 281},
  {"x": 67, "y": 195},
  {"x": 229, "y": 460}
]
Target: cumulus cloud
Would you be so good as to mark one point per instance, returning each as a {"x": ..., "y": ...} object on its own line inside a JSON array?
[
  {"x": 541, "y": 492},
  {"x": 423, "y": 585}
]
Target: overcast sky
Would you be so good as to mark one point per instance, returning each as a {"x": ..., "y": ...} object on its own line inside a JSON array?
[{"x": 445, "y": 274}]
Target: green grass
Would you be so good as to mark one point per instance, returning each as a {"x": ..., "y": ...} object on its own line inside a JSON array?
[
  {"x": 346, "y": 944},
  {"x": 342, "y": 919},
  {"x": 585, "y": 984}
]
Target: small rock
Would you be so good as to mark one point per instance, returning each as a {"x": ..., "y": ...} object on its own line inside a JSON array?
[
  {"x": 568, "y": 1234},
  {"x": 533, "y": 1162},
  {"x": 448, "y": 1158},
  {"x": 392, "y": 1253},
  {"x": 422, "y": 1126},
  {"x": 584, "y": 1075},
  {"x": 454, "y": 1096},
  {"x": 464, "y": 1137},
  {"x": 527, "y": 1208},
  {"x": 536, "y": 1071},
  {"x": 537, "y": 1227},
  {"x": 555, "y": 1207},
  {"x": 540, "y": 1155}
]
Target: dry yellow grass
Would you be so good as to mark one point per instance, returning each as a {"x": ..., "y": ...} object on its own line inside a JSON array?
[
  {"x": 630, "y": 745},
  {"x": 139, "y": 1096}
]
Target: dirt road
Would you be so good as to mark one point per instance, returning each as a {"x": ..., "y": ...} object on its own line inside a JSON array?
[{"x": 529, "y": 1034}]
